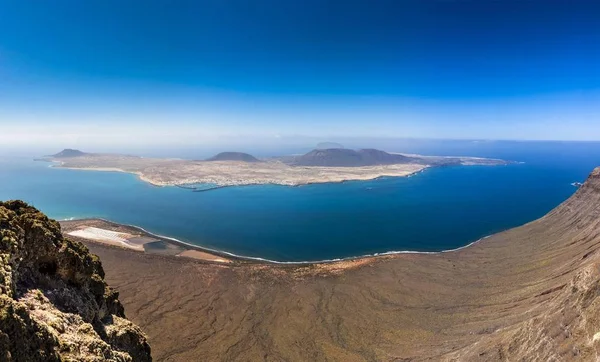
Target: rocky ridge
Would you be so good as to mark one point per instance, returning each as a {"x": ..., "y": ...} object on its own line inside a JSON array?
[{"x": 54, "y": 302}]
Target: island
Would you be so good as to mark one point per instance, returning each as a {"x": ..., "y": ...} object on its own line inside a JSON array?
[{"x": 237, "y": 168}]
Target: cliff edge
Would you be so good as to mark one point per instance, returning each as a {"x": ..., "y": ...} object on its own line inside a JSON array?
[{"x": 54, "y": 302}]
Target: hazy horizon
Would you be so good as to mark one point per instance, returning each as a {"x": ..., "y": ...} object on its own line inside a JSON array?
[
  {"x": 285, "y": 146},
  {"x": 108, "y": 75}
]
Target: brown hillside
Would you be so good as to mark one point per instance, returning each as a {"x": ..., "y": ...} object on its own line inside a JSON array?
[{"x": 530, "y": 293}]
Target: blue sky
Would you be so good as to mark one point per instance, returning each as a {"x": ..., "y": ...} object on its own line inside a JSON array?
[{"x": 85, "y": 72}]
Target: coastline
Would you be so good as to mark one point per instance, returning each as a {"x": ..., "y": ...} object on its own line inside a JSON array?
[
  {"x": 140, "y": 175},
  {"x": 258, "y": 260},
  {"x": 244, "y": 258},
  {"x": 488, "y": 301}
]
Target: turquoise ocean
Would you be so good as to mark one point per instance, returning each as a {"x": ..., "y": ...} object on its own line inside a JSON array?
[{"x": 438, "y": 209}]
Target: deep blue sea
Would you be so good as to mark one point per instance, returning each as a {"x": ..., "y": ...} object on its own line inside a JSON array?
[{"x": 439, "y": 209}]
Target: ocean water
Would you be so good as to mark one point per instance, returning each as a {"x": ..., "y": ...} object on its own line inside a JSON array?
[{"x": 439, "y": 209}]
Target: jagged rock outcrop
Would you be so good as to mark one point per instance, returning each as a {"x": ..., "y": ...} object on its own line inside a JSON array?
[{"x": 54, "y": 303}]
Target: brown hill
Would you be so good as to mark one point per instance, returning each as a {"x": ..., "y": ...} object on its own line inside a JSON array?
[
  {"x": 529, "y": 293},
  {"x": 68, "y": 153},
  {"x": 342, "y": 157},
  {"x": 233, "y": 156}
]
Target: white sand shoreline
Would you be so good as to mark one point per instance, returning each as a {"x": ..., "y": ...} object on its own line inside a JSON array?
[{"x": 269, "y": 261}]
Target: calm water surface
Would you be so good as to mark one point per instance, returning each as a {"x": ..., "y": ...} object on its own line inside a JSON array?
[{"x": 435, "y": 210}]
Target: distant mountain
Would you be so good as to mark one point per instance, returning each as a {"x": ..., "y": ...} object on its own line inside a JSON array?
[
  {"x": 68, "y": 152},
  {"x": 328, "y": 145},
  {"x": 234, "y": 156},
  {"x": 337, "y": 157},
  {"x": 372, "y": 156},
  {"x": 330, "y": 157}
]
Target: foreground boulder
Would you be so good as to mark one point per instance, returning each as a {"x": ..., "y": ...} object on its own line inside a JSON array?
[{"x": 54, "y": 303}]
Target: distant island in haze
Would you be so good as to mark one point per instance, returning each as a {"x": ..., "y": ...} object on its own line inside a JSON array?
[
  {"x": 238, "y": 168},
  {"x": 233, "y": 156},
  {"x": 68, "y": 152},
  {"x": 326, "y": 145},
  {"x": 341, "y": 157}
]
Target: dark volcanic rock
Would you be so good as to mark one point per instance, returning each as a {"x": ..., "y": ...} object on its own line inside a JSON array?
[
  {"x": 234, "y": 156},
  {"x": 337, "y": 157},
  {"x": 68, "y": 152},
  {"x": 54, "y": 303}
]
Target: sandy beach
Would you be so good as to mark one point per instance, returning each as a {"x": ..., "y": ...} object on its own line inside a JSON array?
[
  {"x": 133, "y": 238},
  {"x": 111, "y": 234},
  {"x": 196, "y": 254},
  {"x": 107, "y": 237}
]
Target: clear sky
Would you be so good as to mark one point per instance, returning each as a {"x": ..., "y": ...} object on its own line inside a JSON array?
[{"x": 182, "y": 72}]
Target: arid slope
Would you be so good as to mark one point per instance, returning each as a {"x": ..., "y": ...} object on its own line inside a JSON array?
[{"x": 530, "y": 293}]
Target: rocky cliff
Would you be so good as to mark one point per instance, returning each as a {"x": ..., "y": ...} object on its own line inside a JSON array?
[{"x": 54, "y": 303}]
